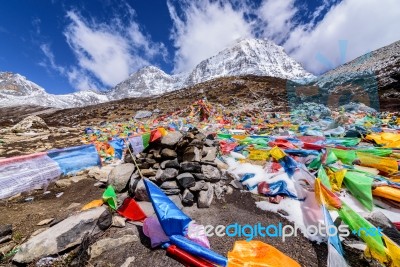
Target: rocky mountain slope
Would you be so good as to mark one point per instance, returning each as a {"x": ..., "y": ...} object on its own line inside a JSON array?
[
  {"x": 373, "y": 78},
  {"x": 246, "y": 57}
]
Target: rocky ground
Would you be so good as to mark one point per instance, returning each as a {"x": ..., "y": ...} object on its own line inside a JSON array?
[{"x": 105, "y": 239}]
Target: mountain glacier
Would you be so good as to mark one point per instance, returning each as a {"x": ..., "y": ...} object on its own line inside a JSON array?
[{"x": 245, "y": 57}]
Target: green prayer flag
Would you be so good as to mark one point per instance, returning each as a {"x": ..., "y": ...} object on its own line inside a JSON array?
[
  {"x": 346, "y": 156},
  {"x": 360, "y": 186},
  {"x": 324, "y": 177},
  {"x": 110, "y": 197},
  {"x": 361, "y": 227}
]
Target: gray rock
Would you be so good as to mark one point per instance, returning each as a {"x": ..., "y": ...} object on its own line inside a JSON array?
[
  {"x": 157, "y": 153},
  {"x": 187, "y": 198},
  {"x": 105, "y": 220},
  {"x": 148, "y": 172},
  {"x": 108, "y": 244},
  {"x": 218, "y": 190},
  {"x": 205, "y": 197},
  {"x": 5, "y": 239},
  {"x": 128, "y": 260},
  {"x": 199, "y": 176},
  {"x": 192, "y": 153},
  {"x": 196, "y": 143},
  {"x": 211, "y": 154},
  {"x": 100, "y": 174},
  {"x": 162, "y": 164},
  {"x": 170, "y": 192},
  {"x": 120, "y": 175},
  {"x": 168, "y": 153},
  {"x": 171, "y": 139},
  {"x": 200, "y": 137},
  {"x": 236, "y": 184},
  {"x": 169, "y": 185},
  {"x": 63, "y": 183},
  {"x": 151, "y": 161},
  {"x": 190, "y": 167},
  {"x": 118, "y": 221},
  {"x": 66, "y": 234},
  {"x": 30, "y": 123},
  {"x": 199, "y": 185},
  {"x": 44, "y": 222},
  {"x": 141, "y": 114},
  {"x": 167, "y": 174},
  {"x": 186, "y": 180},
  {"x": 5, "y": 230},
  {"x": 38, "y": 231},
  {"x": 220, "y": 164},
  {"x": 172, "y": 164},
  {"x": 140, "y": 191},
  {"x": 209, "y": 143},
  {"x": 211, "y": 173}
]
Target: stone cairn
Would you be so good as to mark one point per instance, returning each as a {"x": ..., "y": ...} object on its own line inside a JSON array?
[{"x": 181, "y": 163}]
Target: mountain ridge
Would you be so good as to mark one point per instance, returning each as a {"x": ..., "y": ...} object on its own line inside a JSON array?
[{"x": 245, "y": 57}]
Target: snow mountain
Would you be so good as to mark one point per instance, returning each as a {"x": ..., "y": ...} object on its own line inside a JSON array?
[
  {"x": 245, "y": 57},
  {"x": 16, "y": 90}
]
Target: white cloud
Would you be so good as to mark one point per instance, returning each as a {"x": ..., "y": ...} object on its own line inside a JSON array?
[
  {"x": 203, "y": 29},
  {"x": 277, "y": 18},
  {"x": 109, "y": 52},
  {"x": 49, "y": 62},
  {"x": 365, "y": 25}
]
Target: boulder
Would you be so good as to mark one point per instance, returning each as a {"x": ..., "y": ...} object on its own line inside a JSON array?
[
  {"x": 108, "y": 244},
  {"x": 211, "y": 173},
  {"x": 190, "y": 167},
  {"x": 148, "y": 172},
  {"x": 100, "y": 174},
  {"x": 199, "y": 176},
  {"x": 172, "y": 164},
  {"x": 141, "y": 114},
  {"x": 140, "y": 191},
  {"x": 30, "y": 124},
  {"x": 199, "y": 185},
  {"x": 170, "y": 192},
  {"x": 167, "y": 174},
  {"x": 120, "y": 175},
  {"x": 169, "y": 185},
  {"x": 187, "y": 198},
  {"x": 5, "y": 230},
  {"x": 118, "y": 221},
  {"x": 191, "y": 153},
  {"x": 205, "y": 197},
  {"x": 171, "y": 139},
  {"x": 210, "y": 154},
  {"x": 64, "y": 235},
  {"x": 168, "y": 153},
  {"x": 196, "y": 143},
  {"x": 186, "y": 180}
]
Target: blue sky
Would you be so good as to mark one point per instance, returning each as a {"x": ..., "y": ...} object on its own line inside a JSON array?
[{"x": 65, "y": 46}]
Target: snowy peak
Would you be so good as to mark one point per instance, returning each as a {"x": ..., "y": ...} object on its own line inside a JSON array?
[
  {"x": 17, "y": 85},
  {"x": 16, "y": 90},
  {"x": 147, "y": 81},
  {"x": 249, "y": 56},
  {"x": 245, "y": 57}
]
